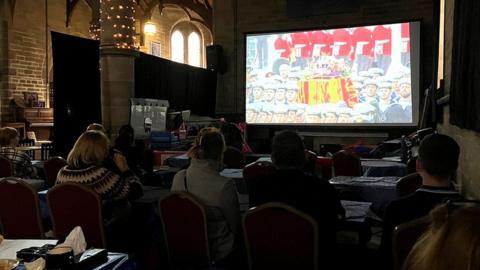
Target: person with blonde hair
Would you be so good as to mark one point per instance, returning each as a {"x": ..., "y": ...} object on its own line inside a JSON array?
[
  {"x": 451, "y": 242},
  {"x": 96, "y": 126},
  {"x": 218, "y": 193},
  {"x": 22, "y": 164},
  {"x": 86, "y": 166}
]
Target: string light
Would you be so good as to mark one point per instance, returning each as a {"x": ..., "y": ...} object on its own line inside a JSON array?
[{"x": 119, "y": 20}]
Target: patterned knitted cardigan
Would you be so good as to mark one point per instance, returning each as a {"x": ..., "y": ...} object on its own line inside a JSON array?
[{"x": 108, "y": 184}]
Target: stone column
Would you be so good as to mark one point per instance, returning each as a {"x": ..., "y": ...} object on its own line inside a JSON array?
[{"x": 117, "y": 55}]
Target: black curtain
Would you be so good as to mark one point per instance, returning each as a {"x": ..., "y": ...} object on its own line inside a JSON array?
[
  {"x": 76, "y": 82},
  {"x": 465, "y": 89},
  {"x": 184, "y": 86}
]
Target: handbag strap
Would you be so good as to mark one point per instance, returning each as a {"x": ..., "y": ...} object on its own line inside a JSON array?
[{"x": 185, "y": 182}]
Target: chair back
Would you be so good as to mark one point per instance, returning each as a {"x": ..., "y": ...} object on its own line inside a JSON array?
[
  {"x": 277, "y": 236},
  {"x": 6, "y": 168},
  {"x": 233, "y": 158},
  {"x": 28, "y": 142},
  {"x": 19, "y": 210},
  {"x": 405, "y": 236},
  {"x": 46, "y": 150},
  {"x": 252, "y": 172},
  {"x": 258, "y": 169},
  {"x": 310, "y": 162},
  {"x": 412, "y": 165},
  {"x": 346, "y": 164},
  {"x": 408, "y": 184},
  {"x": 72, "y": 205},
  {"x": 185, "y": 233},
  {"x": 326, "y": 165},
  {"x": 52, "y": 166}
]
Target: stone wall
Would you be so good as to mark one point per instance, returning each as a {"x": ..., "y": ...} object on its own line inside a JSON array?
[
  {"x": 26, "y": 49},
  {"x": 468, "y": 176},
  {"x": 170, "y": 19},
  {"x": 234, "y": 18}
]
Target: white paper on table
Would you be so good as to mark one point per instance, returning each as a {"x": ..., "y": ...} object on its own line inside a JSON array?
[
  {"x": 9, "y": 247},
  {"x": 75, "y": 240}
]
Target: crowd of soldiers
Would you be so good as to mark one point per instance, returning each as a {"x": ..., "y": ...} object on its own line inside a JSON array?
[{"x": 371, "y": 97}]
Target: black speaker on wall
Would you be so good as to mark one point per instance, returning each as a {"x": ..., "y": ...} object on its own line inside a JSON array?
[{"x": 215, "y": 58}]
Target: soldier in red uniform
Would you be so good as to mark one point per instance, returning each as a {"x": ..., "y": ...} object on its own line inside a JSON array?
[
  {"x": 405, "y": 29},
  {"x": 321, "y": 43},
  {"x": 302, "y": 47},
  {"x": 382, "y": 37},
  {"x": 283, "y": 47},
  {"x": 342, "y": 44},
  {"x": 363, "y": 45}
]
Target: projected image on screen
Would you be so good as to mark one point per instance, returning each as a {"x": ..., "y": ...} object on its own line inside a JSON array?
[{"x": 359, "y": 75}]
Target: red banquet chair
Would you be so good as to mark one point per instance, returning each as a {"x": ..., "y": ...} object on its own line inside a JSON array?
[
  {"x": 408, "y": 184},
  {"x": 52, "y": 166},
  {"x": 74, "y": 205},
  {"x": 6, "y": 168},
  {"x": 19, "y": 210},
  {"x": 346, "y": 164},
  {"x": 277, "y": 236},
  {"x": 404, "y": 238},
  {"x": 185, "y": 228},
  {"x": 253, "y": 173}
]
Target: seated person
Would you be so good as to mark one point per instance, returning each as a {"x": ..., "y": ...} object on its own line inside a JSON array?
[
  {"x": 21, "y": 162},
  {"x": 290, "y": 185},
  {"x": 124, "y": 144},
  {"x": 218, "y": 193},
  {"x": 233, "y": 156},
  {"x": 86, "y": 166},
  {"x": 452, "y": 241},
  {"x": 436, "y": 163},
  {"x": 96, "y": 126}
]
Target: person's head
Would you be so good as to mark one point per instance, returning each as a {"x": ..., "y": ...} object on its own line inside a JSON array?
[
  {"x": 288, "y": 151},
  {"x": 344, "y": 117},
  {"x": 292, "y": 92},
  {"x": 91, "y": 148},
  {"x": 330, "y": 117},
  {"x": 280, "y": 94},
  {"x": 300, "y": 116},
  {"x": 385, "y": 91},
  {"x": 257, "y": 92},
  {"x": 269, "y": 94},
  {"x": 438, "y": 157},
  {"x": 232, "y": 134},
  {"x": 97, "y": 127},
  {"x": 291, "y": 113},
  {"x": 279, "y": 115},
  {"x": 125, "y": 136},
  {"x": 405, "y": 88},
  {"x": 251, "y": 113},
  {"x": 9, "y": 137},
  {"x": 284, "y": 70},
  {"x": 370, "y": 87},
  {"x": 209, "y": 145},
  {"x": 261, "y": 116},
  {"x": 452, "y": 241}
]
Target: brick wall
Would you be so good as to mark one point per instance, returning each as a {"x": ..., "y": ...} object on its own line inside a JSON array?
[
  {"x": 26, "y": 50},
  {"x": 234, "y": 18}
]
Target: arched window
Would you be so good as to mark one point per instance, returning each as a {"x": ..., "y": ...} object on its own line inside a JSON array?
[
  {"x": 194, "y": 52},
  {"x": 177, "y": 47}
]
